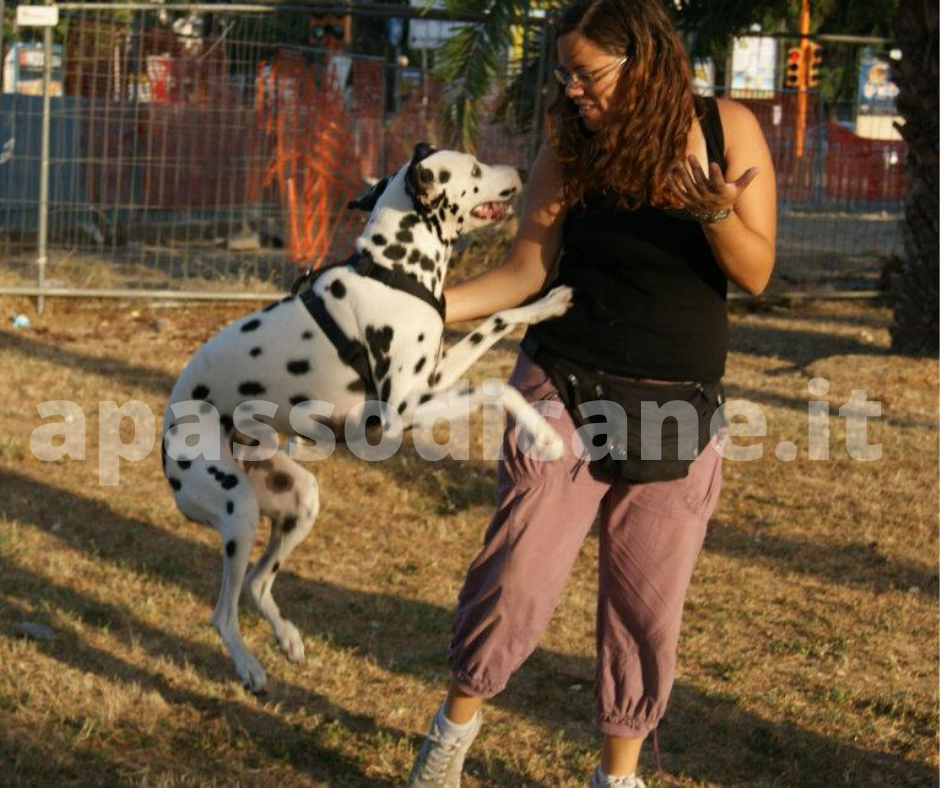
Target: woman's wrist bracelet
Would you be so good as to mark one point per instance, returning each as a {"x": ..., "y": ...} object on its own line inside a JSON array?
[{"x": 713, "y": 218}]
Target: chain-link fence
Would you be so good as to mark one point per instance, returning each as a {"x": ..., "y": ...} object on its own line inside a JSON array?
[{"x": 206, "y": 149}]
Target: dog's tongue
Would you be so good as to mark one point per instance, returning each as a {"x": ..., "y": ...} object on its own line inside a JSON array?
[{"x": 490, "y": 210}]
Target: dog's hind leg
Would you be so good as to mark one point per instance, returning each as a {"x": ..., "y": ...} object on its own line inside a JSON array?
[
  {"x": 290, "y": 496},
  {"x": 218, "y": 493}
]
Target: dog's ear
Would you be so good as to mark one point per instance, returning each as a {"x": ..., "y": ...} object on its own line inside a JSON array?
[
  {"x": 370, "y": 198},
  {"x": 419, "y": 180}
]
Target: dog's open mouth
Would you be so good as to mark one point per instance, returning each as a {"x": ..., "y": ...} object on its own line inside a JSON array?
[{"x": 494, "y": 211}]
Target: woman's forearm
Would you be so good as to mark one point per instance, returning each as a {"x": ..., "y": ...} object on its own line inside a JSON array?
[
  {"x": 504, "y": 287},
  {"x": 744, "y": 255}
]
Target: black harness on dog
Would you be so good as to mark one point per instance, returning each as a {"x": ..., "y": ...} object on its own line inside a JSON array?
[{"x": 350, "y": 351}]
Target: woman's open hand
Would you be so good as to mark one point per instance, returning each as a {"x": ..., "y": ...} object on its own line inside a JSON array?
[{"x": 707, "y": 195}]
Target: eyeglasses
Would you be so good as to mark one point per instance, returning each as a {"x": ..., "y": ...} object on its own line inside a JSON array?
[{"x": 587, "y": 79}]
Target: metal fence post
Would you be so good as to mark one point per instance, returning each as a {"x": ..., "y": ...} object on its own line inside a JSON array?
[{"x": 44, "y": 163}]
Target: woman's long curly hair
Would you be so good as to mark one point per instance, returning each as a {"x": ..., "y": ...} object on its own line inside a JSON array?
[{"x": 651, "y": 110}]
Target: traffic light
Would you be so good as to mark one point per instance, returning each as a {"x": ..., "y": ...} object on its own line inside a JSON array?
[
  {"x": 813, "y": 63},
  {"x": 329, "y": 31},
  {"x": 794, "y": 73}
]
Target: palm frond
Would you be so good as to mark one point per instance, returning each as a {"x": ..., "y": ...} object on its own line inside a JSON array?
[{"x": 471, "y": 61}]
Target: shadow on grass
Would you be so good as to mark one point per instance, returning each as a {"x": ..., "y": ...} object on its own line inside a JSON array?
[
  {"x": 131, "y": 375},
  {"x": 799, "y": 347},
  {"x": 282, "y": 742},
  {"x": 738, "y": 746},
  {"x": 770, "y": 399},
  {"x": 850, "y": 565}
]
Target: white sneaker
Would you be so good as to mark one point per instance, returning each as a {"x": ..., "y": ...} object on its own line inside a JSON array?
[
  {"x": 440, "y": 759},
  {"x": 601, "y": 780}
]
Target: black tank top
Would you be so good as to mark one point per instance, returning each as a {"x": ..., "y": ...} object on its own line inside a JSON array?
[{"x": 649, "y": 296}]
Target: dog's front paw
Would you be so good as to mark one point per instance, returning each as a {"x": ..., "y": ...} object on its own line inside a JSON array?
[
  {"x": 556, "y": 302},
  {"x": 291, "y": 643}
]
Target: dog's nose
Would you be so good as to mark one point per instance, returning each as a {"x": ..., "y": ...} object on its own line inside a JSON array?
[{"x": 522, "y": 174}]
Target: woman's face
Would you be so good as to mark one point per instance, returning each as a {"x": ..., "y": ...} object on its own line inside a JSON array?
[{"x": 590, "y": 74}]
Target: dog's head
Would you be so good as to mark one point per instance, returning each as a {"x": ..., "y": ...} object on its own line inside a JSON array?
[{"x": 458, "y": 189}]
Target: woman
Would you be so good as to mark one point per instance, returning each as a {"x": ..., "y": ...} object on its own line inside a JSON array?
[{"x": 650, "y": 235}]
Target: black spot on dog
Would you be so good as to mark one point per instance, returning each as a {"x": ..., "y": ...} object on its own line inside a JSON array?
[
  {"x": 379, "y": 240},
  {"x": 499, "y": 324},
  {"x": 387, "y": 390},
  {"x": 230, "y": 507},
  {"x": 289, "y": 524},
  {"x": 298, "y": 366},
  {"x": 212, "y": 470},
  {"x": 280, "y": 482},
  {"x": 254, "y": 352},
  {"x": 433, "y": 379},
  {"x": 427, "y": 264},
  {"x": 444, "y": 176},
  {"x": 307, "y": 335},
  {"x": 230, "y": 547},
  {"x": 420, "y": 365},
  {"x": 408, "y": 221},
  {"x": 476, "y": 338},
  {"x": 184, "y": 464},
  {"x": 453, "y": 210},
  {"x": 271, "y": 307},
  {"x": 338, "y": 289},
  {"x": 200, "y": 392},
  {"x": 424, "y": 398},
  {"x": 404, "y": 236},
  {"x": 379, "y": 341},
  {"x": 251, "y": 325},
  {"x": 401, "y": 407},
  {"x": 175, "y": 483},
  {"x": 357, "y": 385},
  {"x": 476, "y": 189},
  {"x": 395, "y": 252},
  {"x": 251, "y": 388},
  {"x": 298, "y": 398},
  {"x": 414, "y": 257},
  {"x": 277, "y": 565},
  {"x": 460, "y": 220},
  {"x": 421, "y": 337},
  {"x": 229, "y": 482},
  {"x": 443, "y": 214}
]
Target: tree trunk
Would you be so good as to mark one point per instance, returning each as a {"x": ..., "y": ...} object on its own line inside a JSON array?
[{"x": 915, "y": 328}]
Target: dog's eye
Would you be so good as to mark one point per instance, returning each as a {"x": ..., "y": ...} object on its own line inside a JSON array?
[
  {"x": 425, "y": 175},
  {"x": 476, "y": 172}
]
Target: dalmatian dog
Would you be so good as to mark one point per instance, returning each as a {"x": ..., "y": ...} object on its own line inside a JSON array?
[{"x": 367, "y": 332}]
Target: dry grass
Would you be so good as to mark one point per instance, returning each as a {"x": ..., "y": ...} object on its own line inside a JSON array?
[{"x": 809, "y": 650}]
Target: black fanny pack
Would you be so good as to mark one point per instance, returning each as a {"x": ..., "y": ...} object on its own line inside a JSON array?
[{"x": 627, "y": 441}]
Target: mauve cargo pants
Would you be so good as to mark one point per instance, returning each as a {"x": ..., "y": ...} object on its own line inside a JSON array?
[{"x": 650, "y": 537}]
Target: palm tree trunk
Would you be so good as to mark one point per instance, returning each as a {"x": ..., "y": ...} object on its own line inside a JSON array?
[{"x": 915, "y": 327}]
